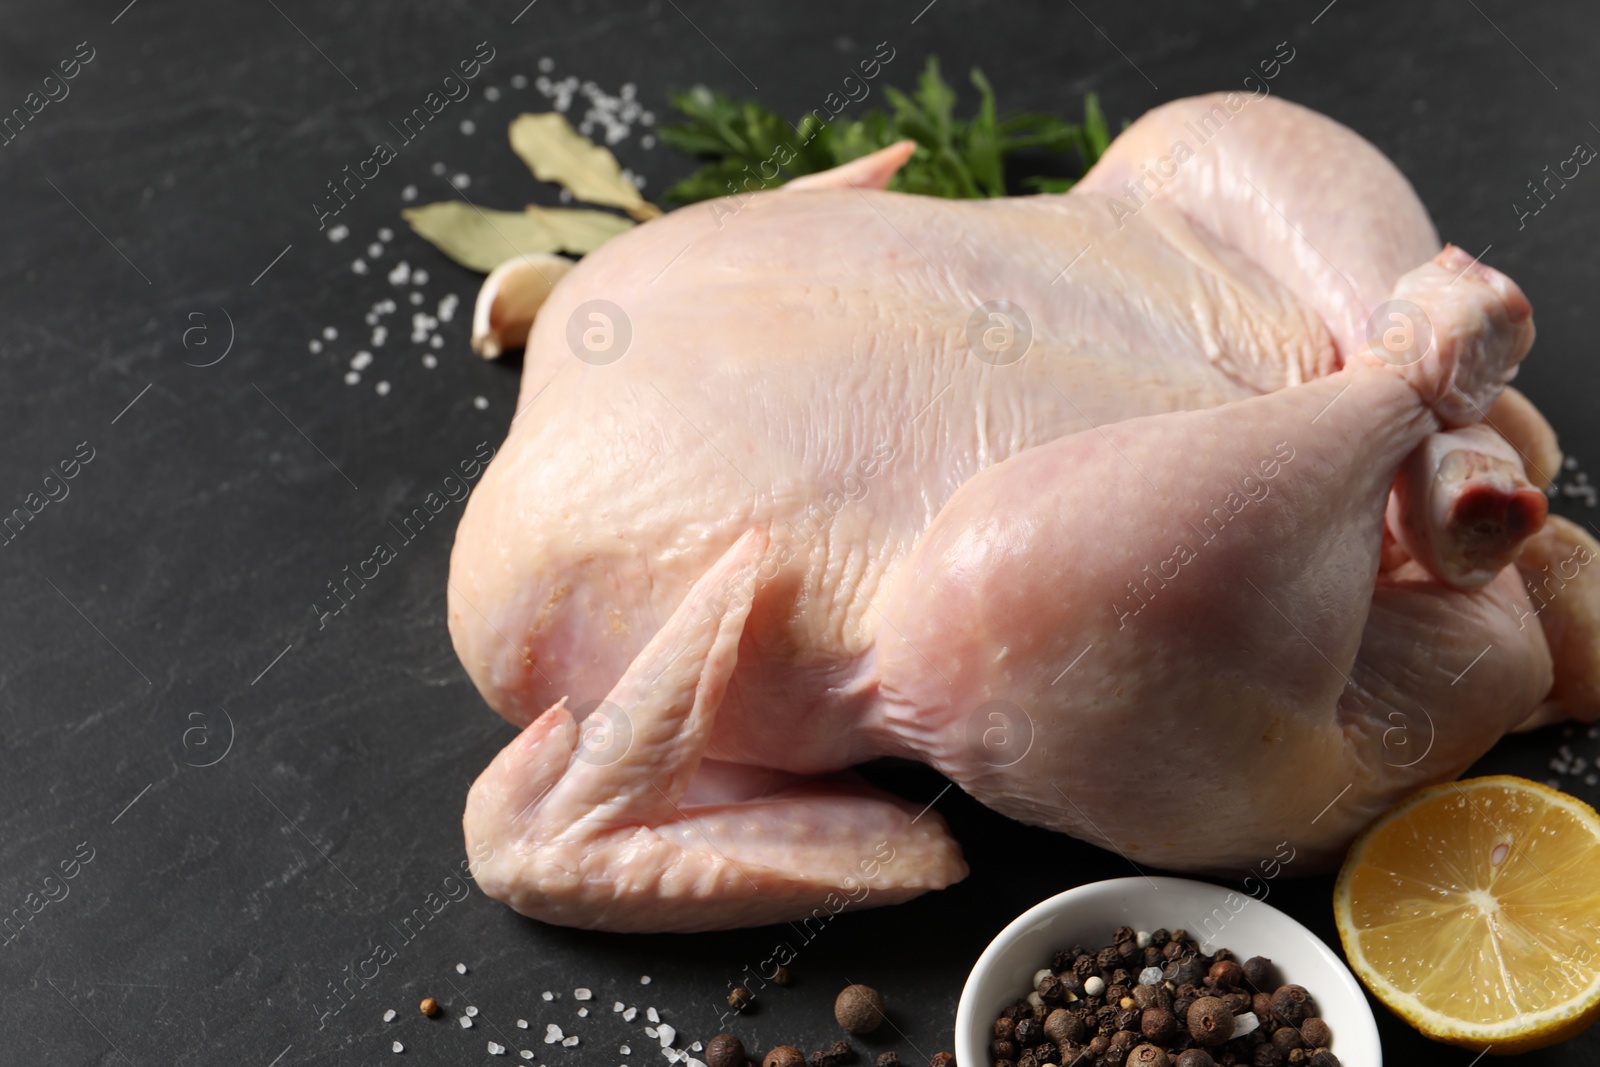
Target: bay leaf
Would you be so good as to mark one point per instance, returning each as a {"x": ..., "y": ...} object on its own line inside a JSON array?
[
  {"x": 580, "y": 230},
  {"x": 556, "y": 152},
  {"x": 481, "y": 239}
]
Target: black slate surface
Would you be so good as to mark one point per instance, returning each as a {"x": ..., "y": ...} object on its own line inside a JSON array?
[{"x": 159, "y": 616}]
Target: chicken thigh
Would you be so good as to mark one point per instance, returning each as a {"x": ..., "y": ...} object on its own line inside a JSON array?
[{"x": 1200, "y": 484}]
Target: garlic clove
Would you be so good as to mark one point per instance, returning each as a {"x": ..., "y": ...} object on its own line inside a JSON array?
[{"x": 510, "y": 298}]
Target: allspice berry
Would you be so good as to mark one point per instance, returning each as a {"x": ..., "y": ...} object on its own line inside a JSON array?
[
  {"x": 859, "y": 1009},
  {"x": 1225, "y": 974},
  {"x": 1315, "y": 1032},
  {"x": 784, "y": 1056},
  {"x": 1158, "y": 1024},
  {"x": 1196, "y": 1057},
  {"x": 1291, "y": 1004},
  {"x": 1259, "y": 973},
  {"x": 725, "y": 1050},
  {"x": 1061, "y": 1026},
  {"x": 942, "y": 1059},
  {"x": 781, "y": 975},
  {"x": 429, "y": 1006},
  {"x": 1210, "y": 1022},
  {"x": 740, "y": 998},
  {"x": 1148, "y": 1056},
  {"x": 888, "y": 1059}
]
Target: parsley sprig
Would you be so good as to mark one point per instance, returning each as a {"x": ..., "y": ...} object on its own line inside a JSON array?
[{"x": 955, "y": 157}]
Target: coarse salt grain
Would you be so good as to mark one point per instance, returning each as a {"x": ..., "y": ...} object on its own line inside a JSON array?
[
  {"x": 398, "y": 1047},
  {"x": 473, "y": 1012},
  {"x": 466, "y": 1023},
  {"x": 419, "y": 278},
  {"x": 546, "y": 65},
  {"x": 628, "y": 1015},
  {"x": 519, "y": 81},
  {"x": 583, "y": 1013},
  {"x": 400, "y": 274},
  {"x": 617, "y": 1006},
  {"x": 491, "y": 93},
  {"x": 437, "y": 168},
  {"x": 416, "y": 298},
  {"x": 409, "y": 193},
  {"x": 468, "y": 127},
  {"x": 496, "y": 1050},
  {"x": 1245, "y": 1023},
  {"x": 651, "y": 1031},
  {"x": 547, "y": 995},
  {"x": 481, "y": 403},
  {"x": 447, "y": 307},
  {"x": 460, "y": 181},
  {"x": 361, "y": 360},
  {"x": 1150, "y": 976},
  {"x": 329, "y": 333},
  {"x": 668, "y": 1035},
  {"x": 385, "y": 234},
  {"x": 436, "y": 341},
  {"x": 552, "y": 1032},
  {"x": 388, "y": 1016},
  {"x": 522, "y": 1024},
  {"x": 374, "y": 250},
  {"x": 1040, "y": 975},
  {"x": 380, "y": 334},
  {"x": 652, "y": 1015},
  {"x": 1142, "y": 938},
  {"x": 351, "y": 377},
  {"x": 625, "y": 1050},
  {"x": 338, "y": 233},
  {"x": 569, "y": 1042},
  {"x": 526, "y": 1053},
  {"x": 697, "y": 1047},
  {"x": 382, "y": 388},
  {"x": 430, "y": 360},
  {"x": 315, "y": 346},
  {"x": 358, "y": 267}
]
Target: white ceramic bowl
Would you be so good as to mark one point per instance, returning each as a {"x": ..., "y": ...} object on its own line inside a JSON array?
[{"x": 1087, "y": 915}]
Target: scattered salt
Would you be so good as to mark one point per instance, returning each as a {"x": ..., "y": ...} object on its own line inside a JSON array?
[
  {"x": 496, "y": 1050},
  {"x": 386, "y": 235},
  {"x": 419, "y": 278},
  {"x": 548, "y": 995},
  {"x": 436, "y": 341},
  {"x": 361, "y": 360},
  {"x": 447, "y": 307},
  {"x": 628, "y": 1015},
  {"x": 647, "y": 141},
  {"x": 398, "y": 1047},
  {"x": 374, "y": 250},
  {"x": 668, "y": 1035},
  {"x": 583, "y": 1013},
  {"x": 552, "y": 1033},
  {"x": 617, "y": 1006},
  {"x": 416, "y": 298},
  {"x": 388, "y": 1016},
  {"x": 569, "y": 1042},
  {"x": 651, "y": 1031},
  {"x": 696, "y": 1047},
  {"x": 546, "y": 65},
  {"x": 481, "y": 403},
  {"x": 380, "y": 334},
  {"x": 409, "y": 193},
  {"x": 400, "y": 274},
  {"x": 437, "y": 168},
  {"x": 652, "y": 1015},
  {"x": 338, "y": 233},
  {"x": 469, "y": 127},
  {"x": 625, "y": 1050},
  {"x": 466, "y": 1023},
  {"x": 382, "y": 388},
  {"x": 430, "y": 360},
  {"x": 526, "y": 1053},
  {"x": 315, "y": 346},
  {"x": 522, "y": 1024},
  {"x": 471, "y": 1011},
  {"x": 329, "y": 333},
  {"x": 351, "y": 377},
  {"x": 359, "y": 267},
  {"x": 519, "y": 81},
  {"x": 491, "y": 93},
  {"x": 460, "y": 181},
  {"x": 1245, "y": 1023}
]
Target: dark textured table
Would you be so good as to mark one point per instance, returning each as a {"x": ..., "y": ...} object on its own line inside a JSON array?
[{"x": 265, "y": 795}]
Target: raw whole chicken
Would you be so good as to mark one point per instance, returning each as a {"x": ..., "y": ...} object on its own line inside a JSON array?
[{"x": 1188, "y": 513}]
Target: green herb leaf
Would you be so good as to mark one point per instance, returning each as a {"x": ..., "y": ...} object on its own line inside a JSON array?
[{"x": 745, "y": 147}]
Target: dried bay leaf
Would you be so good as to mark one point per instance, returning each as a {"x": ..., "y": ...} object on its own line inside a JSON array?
[
  {"x": 480, "y": 239},
  {"x": 556, "y": 152},
  {"x": 580, "y": 230}
]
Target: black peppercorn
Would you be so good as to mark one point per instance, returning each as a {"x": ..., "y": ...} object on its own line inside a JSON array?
[
  {"x": 1116, "y": 994},
  {"x": 1071, "y": 983},
  {"x": 1297, "y": 1057},
  {"x": 1171, "y": 950},
  {"x": 1315, "y": 1032},
  {"x": 1028, "y": 1059},
  {"x": 887, "y": 1059},
  {"x": 1160, "y": 936},
  {"x": 1050, "y": 989},
  {"x": 1128, "y": 949},
  {"x": 725, "y": 1050},
  {"x": 1128, "y": 1019},
  {"x": 1123, "y": 1040},
  {"x": 1062, "y": 1026},
  {"x": 1236, "y": 1002},
  {"x": 1259, "y": 973},
  {"x": 1000, "y": 1048},
  {"x": 1191, "y": 971},
  {"x": 1106, "y": 1017},
  {"x": 1195, "y": 1057},
  {"x": 1084, "y": 966},
  {"x": 1291, "y": 1004},
  {"x": 1158, "y": 1024},
  {"x": 1150, "y": 956},
  {"x": 1222, "y": 954},
  {"x": 1148, "y": 1056},
  {"x": 942, "y": 1059},
  {"x": 1210, "y": 1022},
  {"x": 1108, "y": 959},
  {"x": 1323, "y": 1058},
  {"x": 1029, "y": 1032},
  {"x": 1120, "y": 976},
  {"x": 1062, "y": 960},
  {"x": 1182, "y": 1004},
  {"x": 740, "y": 998}
]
